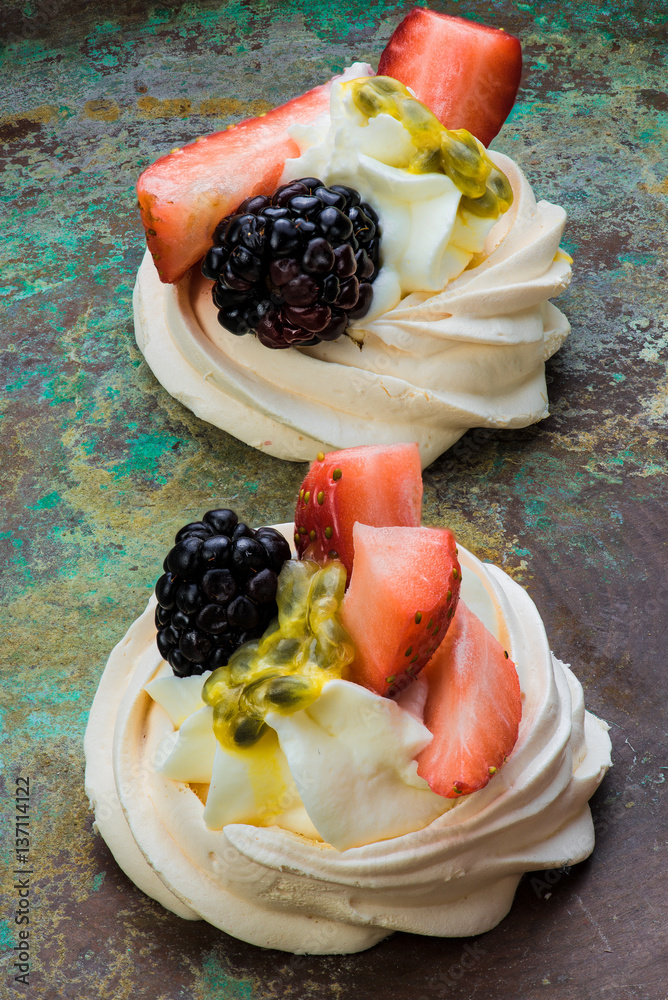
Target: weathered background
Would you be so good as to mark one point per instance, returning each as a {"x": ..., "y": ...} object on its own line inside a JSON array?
[{"x": 100, "y": 466}]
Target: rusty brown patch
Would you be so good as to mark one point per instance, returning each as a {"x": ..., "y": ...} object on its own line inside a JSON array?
[
  {"x": 660, "y": 188},
  {"x": 656, "y": 99},
  {"x": 14, "y": 127}
]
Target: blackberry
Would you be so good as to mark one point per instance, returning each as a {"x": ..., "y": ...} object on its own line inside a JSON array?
[
  {"x": 296, "y": 268},
  {"x": 218, "y": 590}
]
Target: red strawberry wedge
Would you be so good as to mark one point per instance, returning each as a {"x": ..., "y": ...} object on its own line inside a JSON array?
[
  {"x": 380, "y": 485},
  {"x": 183, "y": 196},
  {"x": 473, "y": 708},
  {"x": 401, "y": 601},
  {"x": 467, "y": 73}
]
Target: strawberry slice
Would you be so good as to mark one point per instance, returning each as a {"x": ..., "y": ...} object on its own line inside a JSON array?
[
  {"x": 402, "y": 597},
  {"x": 473, "y": 708},
  {"x": 467, "y": 73},
  {"x": 183, "y": 196},
  {"x": 380, "y": 485}
]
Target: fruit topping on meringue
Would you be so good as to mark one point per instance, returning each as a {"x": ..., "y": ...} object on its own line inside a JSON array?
[
  {"x": 399, "y": 727},
  {"x": 366, "y": 226},
  {"x": 373, "y": 616},
  {"x": 189, "y": 198},
  {"x": 218, "y": 590},
  {"x": 297, "y": 267}
]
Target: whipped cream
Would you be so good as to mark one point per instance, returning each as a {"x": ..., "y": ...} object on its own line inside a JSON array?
[
  {"x": 343, "y": 770},
  {"x": 426, "y": 240},
  {"x": 275, "y": 887},
  {"x": 460, "y": 328}
]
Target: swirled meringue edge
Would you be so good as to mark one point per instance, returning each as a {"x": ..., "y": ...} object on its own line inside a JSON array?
[
  {"x": 437, "y": 364},
  {"x": 276, "y": 889}
]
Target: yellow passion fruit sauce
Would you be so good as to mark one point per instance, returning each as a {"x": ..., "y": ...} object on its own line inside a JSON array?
[
  {"x": 485, "y": 189},
  {"x": 286, "y": 669}
]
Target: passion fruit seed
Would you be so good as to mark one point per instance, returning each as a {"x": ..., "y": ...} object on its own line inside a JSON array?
[
  {"x": 246, "y": 730},
  {"x": 285, "y": 670},
  {"x": 486, "y": 191}
]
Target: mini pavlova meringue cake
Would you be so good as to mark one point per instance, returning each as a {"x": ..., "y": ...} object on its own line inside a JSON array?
[
  {"x": 311, "y": 752},
  {"x": 356, "y": 267}
]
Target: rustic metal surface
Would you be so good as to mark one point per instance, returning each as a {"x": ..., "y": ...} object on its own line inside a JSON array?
[{"x": 99, "y": 466}]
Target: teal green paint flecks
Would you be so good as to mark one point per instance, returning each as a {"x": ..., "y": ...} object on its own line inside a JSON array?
[
  {"x": 218, "y": 984},
  {"x": 145, "y": 455},
  {"x": 47, "y": 502},
  {"x": 47, "y": 696},
  {"x": 639, "y": 259},
  {"x": 340, "y": 17},
  {"x": 63, "y": 389},
  {"x": 7, "y": 936},
  {"x": 23, "y": 378},
  {"x": 44, "y": 727},
  {"x": 569, "y": 245},
  {"x": 98, "y": 880},
  {"x": 21, "y": 569},
  {"x": 5, "y": 737}
]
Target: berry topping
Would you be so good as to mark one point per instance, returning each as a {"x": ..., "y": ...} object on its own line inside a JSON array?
[
  {"x": 473, "y": 708},
  {"x": 396, "y": 614},
  {"x": 182, "y": 196},
  {"x": 286, "y": 669},
  {"x": 297, "y": 269},
  {"x": 380, "y": 485},
  {"x": 467, "y": 73},
  {"x": 217, "y": 592}
]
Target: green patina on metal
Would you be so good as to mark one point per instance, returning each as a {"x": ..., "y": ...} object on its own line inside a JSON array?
[{"x": 100, "y": 467}]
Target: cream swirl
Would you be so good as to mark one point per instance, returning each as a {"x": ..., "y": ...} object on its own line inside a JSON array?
[
  {"x": 272, "y": 887},
  {"x": 427, "y": 238}
]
